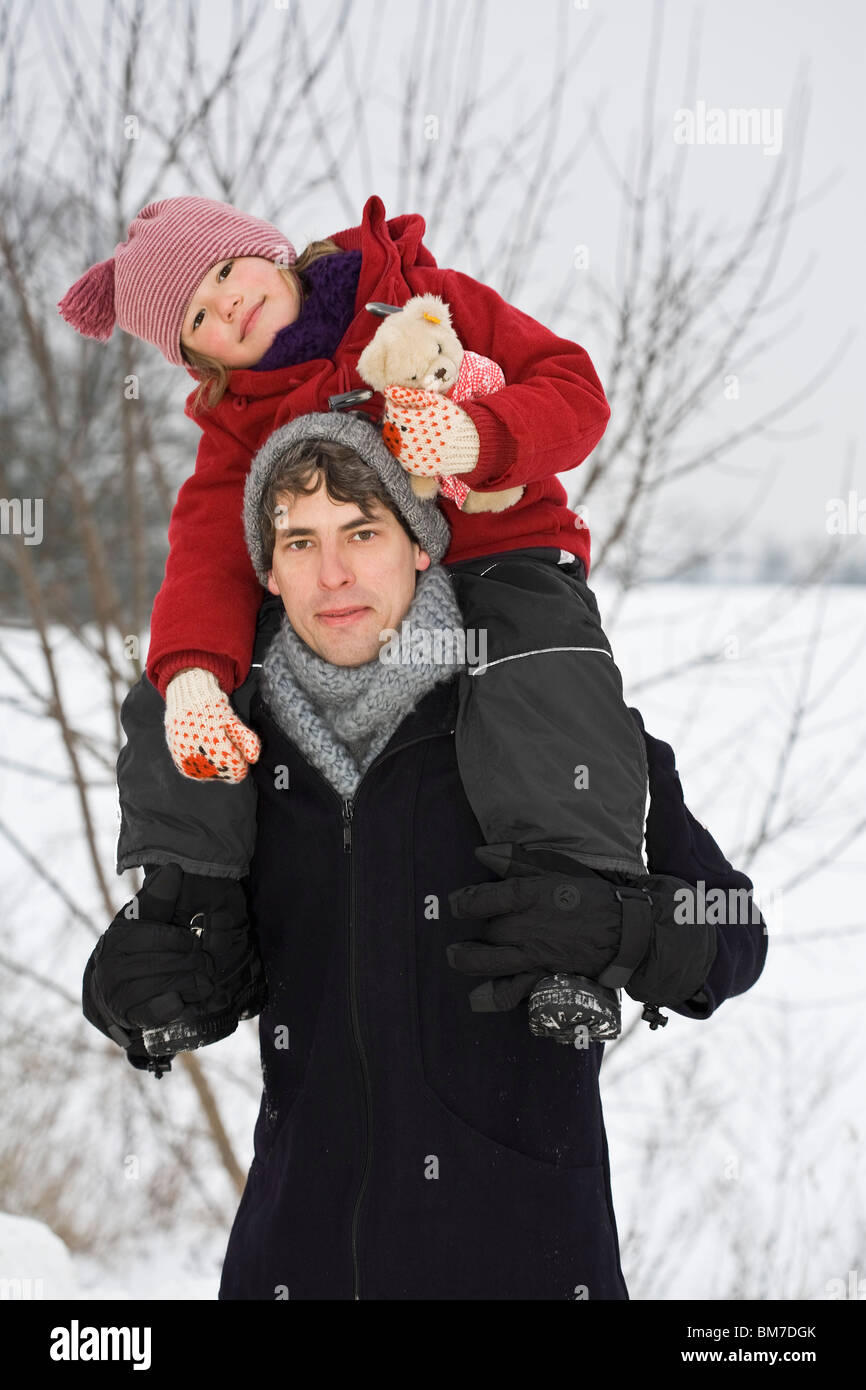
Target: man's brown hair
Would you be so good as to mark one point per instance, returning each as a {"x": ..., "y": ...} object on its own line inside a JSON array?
[{"x": 306, "y": 465}]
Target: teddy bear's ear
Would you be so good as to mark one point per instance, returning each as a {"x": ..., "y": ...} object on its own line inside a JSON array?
[
  {"x": 416, "y": 309},
  {"x": 433, "y": 304}
]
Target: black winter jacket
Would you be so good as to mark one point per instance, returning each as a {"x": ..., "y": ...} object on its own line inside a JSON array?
[{"x": 406, "y": 1147}]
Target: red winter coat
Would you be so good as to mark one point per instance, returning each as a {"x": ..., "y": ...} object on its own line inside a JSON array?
[{"x": 545, "y": 421}]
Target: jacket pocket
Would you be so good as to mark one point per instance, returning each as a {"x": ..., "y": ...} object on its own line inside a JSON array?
[
  {"x": 498, "y": 1224},
  {"x": 527, "y": 1094},
  {"x": 530, "y": 1096}
]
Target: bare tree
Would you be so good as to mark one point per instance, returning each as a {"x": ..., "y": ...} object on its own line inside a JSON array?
[{"x": 97, "y": 431}]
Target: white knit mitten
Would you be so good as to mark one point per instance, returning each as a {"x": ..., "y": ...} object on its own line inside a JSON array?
[
  {"x": 205, "y": 737},
  {"x": 428, "y": 433}
]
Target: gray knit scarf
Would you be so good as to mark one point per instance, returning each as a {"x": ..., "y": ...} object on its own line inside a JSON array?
[{"x": 341, "y": 717}]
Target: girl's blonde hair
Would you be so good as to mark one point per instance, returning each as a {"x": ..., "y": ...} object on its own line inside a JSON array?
[{"x": 215, "y": 375}]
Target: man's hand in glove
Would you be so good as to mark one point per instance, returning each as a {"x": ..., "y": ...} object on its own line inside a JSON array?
[
  {"x": 543, "y": 917},
  {"x": 180, "y": 952}
]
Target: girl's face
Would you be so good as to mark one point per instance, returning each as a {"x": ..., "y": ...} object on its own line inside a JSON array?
[{"x": 237, "y": 311}]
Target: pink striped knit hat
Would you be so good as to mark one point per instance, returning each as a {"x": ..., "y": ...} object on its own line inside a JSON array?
[{"x": 146, "y": 286}]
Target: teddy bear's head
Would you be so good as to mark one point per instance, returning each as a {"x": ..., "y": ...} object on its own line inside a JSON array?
[{"x": 415, "y": 347}]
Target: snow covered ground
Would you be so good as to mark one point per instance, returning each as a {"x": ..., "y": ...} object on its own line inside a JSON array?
[{"x": 735, "y": 1143}]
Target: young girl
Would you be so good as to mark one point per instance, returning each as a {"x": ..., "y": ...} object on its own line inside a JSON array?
[{"x": 549, "y": 754}]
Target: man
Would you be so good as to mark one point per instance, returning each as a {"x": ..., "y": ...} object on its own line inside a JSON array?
[{"x": 408, "y": 1146}]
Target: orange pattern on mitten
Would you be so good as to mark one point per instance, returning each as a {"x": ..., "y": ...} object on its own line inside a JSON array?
[
  {"x": 205, "y": 737},
  {"x": 428, "y": 433}
]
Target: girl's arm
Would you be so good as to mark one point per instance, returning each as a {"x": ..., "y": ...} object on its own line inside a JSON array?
[
  {"x": 207, "y": 828},
  {"x": 551, "y": 412},
  {"x": 205, "y": 612}
]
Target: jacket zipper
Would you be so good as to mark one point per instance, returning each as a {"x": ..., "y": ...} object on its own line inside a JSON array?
[
  {"x": 348, "y": 808},
  {"x": 348, "y": 803}
]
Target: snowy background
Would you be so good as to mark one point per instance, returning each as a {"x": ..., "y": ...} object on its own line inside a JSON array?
[
  {"x": 737, "y": 620},
  {"x": 736, "y": 1144}
]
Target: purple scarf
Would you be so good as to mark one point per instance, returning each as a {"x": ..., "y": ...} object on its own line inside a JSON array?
[{"x": 331, "y": 283}]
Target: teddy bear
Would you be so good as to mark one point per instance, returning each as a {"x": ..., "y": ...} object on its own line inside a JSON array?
[{"x": 416, "y": 349}]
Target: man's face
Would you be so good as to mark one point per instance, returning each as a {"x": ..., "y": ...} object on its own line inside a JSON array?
[
  {"x": 343, "y": 578},
  {"x": 238, "y": 309}
]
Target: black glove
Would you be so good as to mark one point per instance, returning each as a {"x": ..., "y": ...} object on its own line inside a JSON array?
[
  {"x": 180, "y": 953},
  {"x": 550, "y": 914}
]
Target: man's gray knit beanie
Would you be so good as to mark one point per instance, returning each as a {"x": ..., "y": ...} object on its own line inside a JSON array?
[{"x": 359, "y": 433}]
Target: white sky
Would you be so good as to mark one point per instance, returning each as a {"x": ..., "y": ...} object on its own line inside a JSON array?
[{"x": 750, "y": 53}]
